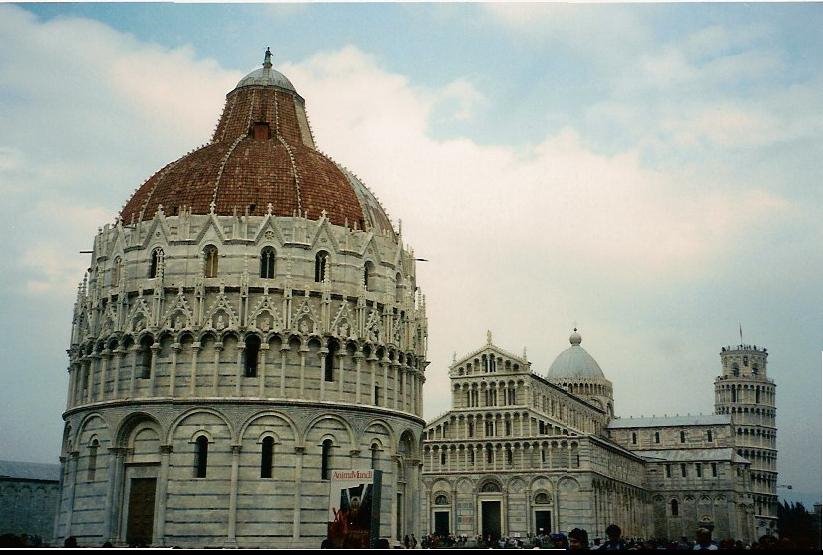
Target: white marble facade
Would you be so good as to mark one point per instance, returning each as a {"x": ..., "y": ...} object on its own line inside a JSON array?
[
  {"x": 521, "y": 454},
  {"x": 158, "y": 362}
]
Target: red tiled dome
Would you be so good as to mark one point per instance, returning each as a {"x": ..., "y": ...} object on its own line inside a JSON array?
[{"x": 262, "y": 152}]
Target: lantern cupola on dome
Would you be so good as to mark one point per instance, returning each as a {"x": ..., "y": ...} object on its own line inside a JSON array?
[{"x": 262, "y": 152}]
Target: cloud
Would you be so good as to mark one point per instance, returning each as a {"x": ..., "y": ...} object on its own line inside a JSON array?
[
  {"x": 655, "y": 242},
  {"x": 88, "y": 114},
  {"x": 465, "y": 96},
  {"x": 604, "y": 32},
  {"x": 590, "y": 208}
]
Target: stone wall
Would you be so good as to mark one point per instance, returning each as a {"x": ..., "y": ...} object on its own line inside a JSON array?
[{"x": 28, "y": 507}]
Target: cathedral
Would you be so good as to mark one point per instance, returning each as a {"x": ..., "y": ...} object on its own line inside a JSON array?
[
  {"x": 248, "y": 325},
  {"x": 251, "y": 324},
  {"x": 523, "y": 453}
]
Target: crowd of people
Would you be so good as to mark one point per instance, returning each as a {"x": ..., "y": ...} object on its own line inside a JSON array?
[{"x": 578, "y": 539}]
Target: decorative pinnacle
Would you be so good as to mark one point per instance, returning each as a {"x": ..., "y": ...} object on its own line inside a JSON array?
[
  {"x": 267, "y": 58},
  {"x": 488, "y": 337}
]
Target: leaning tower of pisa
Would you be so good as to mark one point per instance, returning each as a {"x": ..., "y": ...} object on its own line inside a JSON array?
[{"x": 746, "y": 393}]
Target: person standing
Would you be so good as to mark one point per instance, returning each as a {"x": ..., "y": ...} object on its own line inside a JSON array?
[
  {"x": 615, "y": 542},
  {"x": 704, "y": 541}
]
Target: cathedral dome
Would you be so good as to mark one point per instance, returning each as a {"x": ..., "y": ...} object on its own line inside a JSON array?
[
  {"x": 262, "y": 155},
  {"x": 575, "y": 362}
]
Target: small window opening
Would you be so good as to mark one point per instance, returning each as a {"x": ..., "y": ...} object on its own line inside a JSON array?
[
  {"x": 325, "y": 461},
  {"x": 328, "y": 371},
  {"x": 210, "y": 254},
  {"x": 375, "y": 456},
  {"x": 156, "y": 261},
  {"x": 320, "y": 263},
  {"x": 267, "y": 457},
  {"x": 93, "y": 460},
  {"x": 252, "y": 355},
  {"x": 146, "y": 357},
  {"x": 267, "y": 263},
  {"x": 201, "y": 456}
]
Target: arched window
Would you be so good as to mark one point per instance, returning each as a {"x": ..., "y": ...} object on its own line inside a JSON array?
[
  {"x": 757, "y": 395},
  {"x": 735, "y": 369},
  {"x": 734, "y": 394},
  {"x": 156, "y": 262},
  {"x": 490, "y": 487},
  {"x": 377, "y": 395},
  {"x": 634, "y": 438},
  {"x": 267, "y": 457},
  {"x": 709, "y": 436},
  {"x": 375, "y": 456},
  {"x": 146, "y": 356},
  {"x": 368, "y": 272},
  {"x": 201, "y": 455},
  {"x": 93, "y": 459},
  {"x": 116, "y": 271},
  {"x": 325, "y": 460},
  {"x": 328, "y": 370},
  {"x": 674, "y": 507},
  {"x": 682, "y": 436},
  {"x": 320, "y": 266},
  {"x": 657, "y": 437},
  {"x": 442, "y": 458},
  {"x": 210, "y": 259},
  {"x": 489, "y": 454},
  {"x": 267, "y": 263},
  {"x": 252, "y": 354}
]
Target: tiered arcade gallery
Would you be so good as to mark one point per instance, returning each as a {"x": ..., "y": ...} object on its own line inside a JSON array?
[{"x": 250, "y": 323}]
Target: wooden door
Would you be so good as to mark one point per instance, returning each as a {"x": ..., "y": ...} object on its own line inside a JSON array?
[{"x": 141, "y": 511}]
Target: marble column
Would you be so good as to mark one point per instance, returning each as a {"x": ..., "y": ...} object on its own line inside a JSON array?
[
  {"x": 261, "y": 385},
  {"x": 162, "y": 497},
  {"x": 284, "y": 351},
  {"x": 121, "y": 355},
  {"x": 72, "y": 479},
  {"x": 111, "y": 470},
  {"x": 155, "y": 348},
  {"x": 239, "y": 373},
  {"x": 215, "y": 374},
  {"x": 175, "y": 352},
  {"x": 231, "y": 540},
  {"x": 358, "y": 357},
  {"x": 195, "y": 354},
  {"x": 104, "y": 365},
  {"x": 298, "y": 480}
]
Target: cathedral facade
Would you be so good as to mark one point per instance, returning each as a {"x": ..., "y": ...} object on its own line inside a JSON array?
[
  {"x": 521, "y": 453},
  {"x": 250, "y": 323}
]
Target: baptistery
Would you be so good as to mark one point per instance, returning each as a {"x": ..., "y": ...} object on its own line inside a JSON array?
[{"x": 250, "y": 323}]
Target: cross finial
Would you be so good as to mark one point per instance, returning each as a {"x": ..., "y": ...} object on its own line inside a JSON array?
[
  {"x": 267, "y": 58},
  {"x": 268, "y": 208}
]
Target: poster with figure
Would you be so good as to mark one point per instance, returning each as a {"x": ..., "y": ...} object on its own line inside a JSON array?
[{"x": 354, "y": 508}]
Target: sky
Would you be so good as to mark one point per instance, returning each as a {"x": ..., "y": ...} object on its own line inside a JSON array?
[{"x": 648, "y": 173}]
